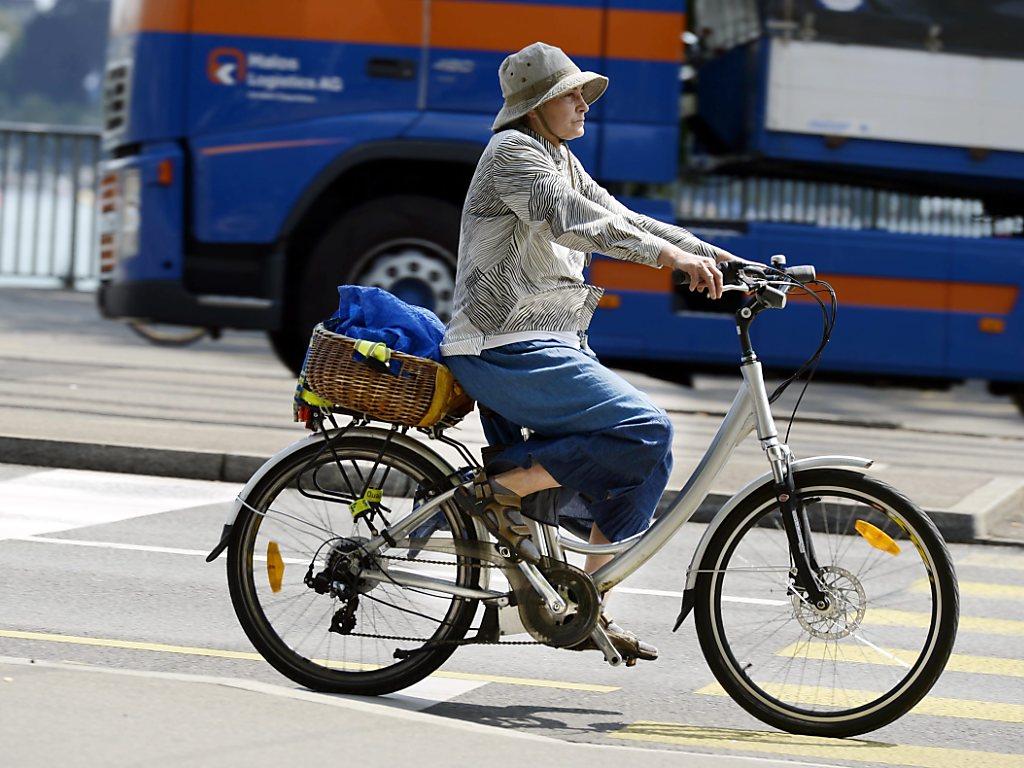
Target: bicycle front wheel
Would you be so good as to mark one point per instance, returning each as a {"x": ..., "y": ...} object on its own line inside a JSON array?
[
  {"x": 873, "y": 653},
  {"x": 295, "y": 569}
]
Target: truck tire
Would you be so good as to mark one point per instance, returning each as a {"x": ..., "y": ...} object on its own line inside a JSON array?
[
  {"x": 405, "y": 244},
  {"x": 1018, "y": 398}
]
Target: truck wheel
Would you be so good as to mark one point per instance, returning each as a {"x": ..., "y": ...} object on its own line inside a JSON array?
[{"x": 405, "y": 244}]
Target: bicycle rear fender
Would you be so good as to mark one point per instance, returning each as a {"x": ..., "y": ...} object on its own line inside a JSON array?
[
  {"x": 734, "y": 501},
  {"x": 398, "y": 439}
]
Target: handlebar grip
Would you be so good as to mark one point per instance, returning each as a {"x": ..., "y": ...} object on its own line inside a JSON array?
[
  {"x": 729, "y": 270},
  {"x": 802, "y": 274}
]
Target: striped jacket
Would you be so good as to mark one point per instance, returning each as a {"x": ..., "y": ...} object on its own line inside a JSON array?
[{"x": 530, "y": 219}]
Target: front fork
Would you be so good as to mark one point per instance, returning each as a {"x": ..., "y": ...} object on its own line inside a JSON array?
[{"x": 796, "y": 525}]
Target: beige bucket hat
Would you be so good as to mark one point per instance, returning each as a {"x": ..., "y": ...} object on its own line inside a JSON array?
[{"x": 537, "y": 73}]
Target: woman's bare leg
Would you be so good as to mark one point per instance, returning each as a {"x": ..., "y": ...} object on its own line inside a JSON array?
[
  {"x": 596, "y": 561},
  {"x": 523, "y": 482}
]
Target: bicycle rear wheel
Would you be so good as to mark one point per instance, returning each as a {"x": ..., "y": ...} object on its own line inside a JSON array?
[
  {"x": 352, "y": 635},
  {"x": 878, "y": 648}
]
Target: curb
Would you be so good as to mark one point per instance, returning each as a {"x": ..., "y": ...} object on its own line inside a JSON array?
[
  {"x": 129, "y": 459},
  {"x": 958, "y": 524}
]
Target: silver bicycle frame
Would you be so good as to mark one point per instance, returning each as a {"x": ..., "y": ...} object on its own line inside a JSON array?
[{"x": 749, "y": 411}]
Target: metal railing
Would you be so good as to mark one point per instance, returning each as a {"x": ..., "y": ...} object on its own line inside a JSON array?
[{"x": 48, "y": 187}]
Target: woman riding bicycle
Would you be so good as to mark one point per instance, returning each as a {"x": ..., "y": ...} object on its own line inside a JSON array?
[{"x": 517, "y": 338}]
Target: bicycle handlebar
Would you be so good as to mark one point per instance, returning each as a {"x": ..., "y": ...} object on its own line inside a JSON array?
[{"x": 746, "y": 276}]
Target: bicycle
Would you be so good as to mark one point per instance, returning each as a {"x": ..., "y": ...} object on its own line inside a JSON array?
[{"x": 351, "y": 570}]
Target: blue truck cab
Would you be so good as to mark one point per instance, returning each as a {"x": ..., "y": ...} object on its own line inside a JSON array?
[{"x": 258, "y": 154}]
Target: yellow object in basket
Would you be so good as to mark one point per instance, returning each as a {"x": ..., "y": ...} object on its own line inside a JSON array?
[
  {"x": 377, "y": 350},
  {"x": 876, "y": 538}
]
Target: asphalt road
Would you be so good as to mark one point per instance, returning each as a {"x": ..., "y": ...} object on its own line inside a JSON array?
[{"x": 108, "y": 570}]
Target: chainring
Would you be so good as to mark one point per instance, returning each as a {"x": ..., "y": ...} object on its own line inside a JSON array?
[{"x": 583, "y": 605}]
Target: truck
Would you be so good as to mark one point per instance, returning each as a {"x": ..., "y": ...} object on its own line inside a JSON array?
[{"x": 258, "y": 154}]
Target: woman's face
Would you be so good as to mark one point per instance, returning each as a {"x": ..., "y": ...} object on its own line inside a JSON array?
[{"x": 565, "y": 114}]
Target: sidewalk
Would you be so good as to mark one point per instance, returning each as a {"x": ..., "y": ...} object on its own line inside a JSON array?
[{"x": 82, "y": 392}]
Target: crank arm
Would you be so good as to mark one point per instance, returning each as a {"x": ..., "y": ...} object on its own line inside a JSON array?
[{"x": 604, "y": 643}]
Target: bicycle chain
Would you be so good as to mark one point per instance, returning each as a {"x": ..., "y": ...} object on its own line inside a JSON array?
[
  {"x": 433, "y": 562},
  {"x": 427, "y": 641}
]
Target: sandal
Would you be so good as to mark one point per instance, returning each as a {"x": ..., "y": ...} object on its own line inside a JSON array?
[
  {"x": 629, "y": 645},
  {"x": 501, "y": 514}
]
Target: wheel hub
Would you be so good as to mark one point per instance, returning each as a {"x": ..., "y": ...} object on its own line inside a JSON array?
[
  {"x": 415, "y": 275},
  {"x": 844, "y": 613},
  {"x": 341, "y": 575}
]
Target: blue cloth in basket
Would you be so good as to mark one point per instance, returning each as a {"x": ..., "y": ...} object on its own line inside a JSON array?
[{"x": 376, "y": 315}]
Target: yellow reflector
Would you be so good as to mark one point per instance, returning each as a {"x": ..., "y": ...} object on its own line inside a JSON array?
[
  {"x": 275, "y": 566},
  {"x": 876, "y": 538}
]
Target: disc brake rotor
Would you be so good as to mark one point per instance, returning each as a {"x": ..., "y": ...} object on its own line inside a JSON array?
[
  {"x": 847, "y": 606},
  {"x": 583, "y": 606}
]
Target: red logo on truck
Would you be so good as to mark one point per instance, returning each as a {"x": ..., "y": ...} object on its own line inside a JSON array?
[{"x": 225, "y": 66}]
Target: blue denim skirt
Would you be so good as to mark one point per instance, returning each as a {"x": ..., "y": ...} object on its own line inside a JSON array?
[{"x": 593, "y": 431}]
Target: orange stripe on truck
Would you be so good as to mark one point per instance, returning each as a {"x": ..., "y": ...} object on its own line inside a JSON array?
[
  {"x": 645, "y": 35},
  {"x": 384, "y": 22},
  {"x": 259, "y": 146},
  {"x": 938, "y": 295},
  {"x": 886, "y": 292},
  {"x": 506, "y": 27},
  {"x": 460, "y": 24},
  {"x": 130, "y": 16},
  {"x": 624, "y": 276}
]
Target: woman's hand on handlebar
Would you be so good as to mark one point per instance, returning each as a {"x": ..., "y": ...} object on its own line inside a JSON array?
[{"x": 701, "y": 270}]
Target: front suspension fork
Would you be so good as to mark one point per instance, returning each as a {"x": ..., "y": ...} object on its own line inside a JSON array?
[{"x": 797, "y": 528}]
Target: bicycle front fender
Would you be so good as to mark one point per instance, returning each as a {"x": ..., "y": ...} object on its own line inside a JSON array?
[{"x": 734, "y": 501}]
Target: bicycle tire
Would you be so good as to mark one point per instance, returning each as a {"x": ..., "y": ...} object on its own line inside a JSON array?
[
  {"x": 760, "y": 698},
  {"x": 250, "y": 612}
]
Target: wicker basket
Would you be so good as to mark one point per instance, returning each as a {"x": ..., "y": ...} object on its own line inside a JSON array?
[{"x": 422, "y": 393}]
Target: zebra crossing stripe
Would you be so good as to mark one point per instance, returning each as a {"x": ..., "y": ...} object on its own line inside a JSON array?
[
  {"x": 1001, "y": 560},
  {"x": 776, "y": 743},
  {"x": 978, "y": 589},
  {"x": 890, "y": 657},
  {"x": 887, "y": 617},
  {"x": 935, "y": 706}
]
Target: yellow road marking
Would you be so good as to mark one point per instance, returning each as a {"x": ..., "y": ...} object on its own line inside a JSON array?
[
  {"x": 936, "y": 706},
  {"x": 885, "y": 617},
  {"x": 250, "y": 656},
  {"x": 771, "y": 742},
  {"x": 993, "y": 560},
  {"x": 978, "y": 589},
  {"x": 958, "y": 662}
]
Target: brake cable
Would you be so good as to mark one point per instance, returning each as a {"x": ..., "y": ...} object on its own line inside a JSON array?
[{"x": 809, "y": 366}]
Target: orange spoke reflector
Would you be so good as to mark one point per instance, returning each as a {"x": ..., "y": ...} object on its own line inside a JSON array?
[
  {"x": 876, "y": 538},
  {"x": 275, "y": 566}
]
